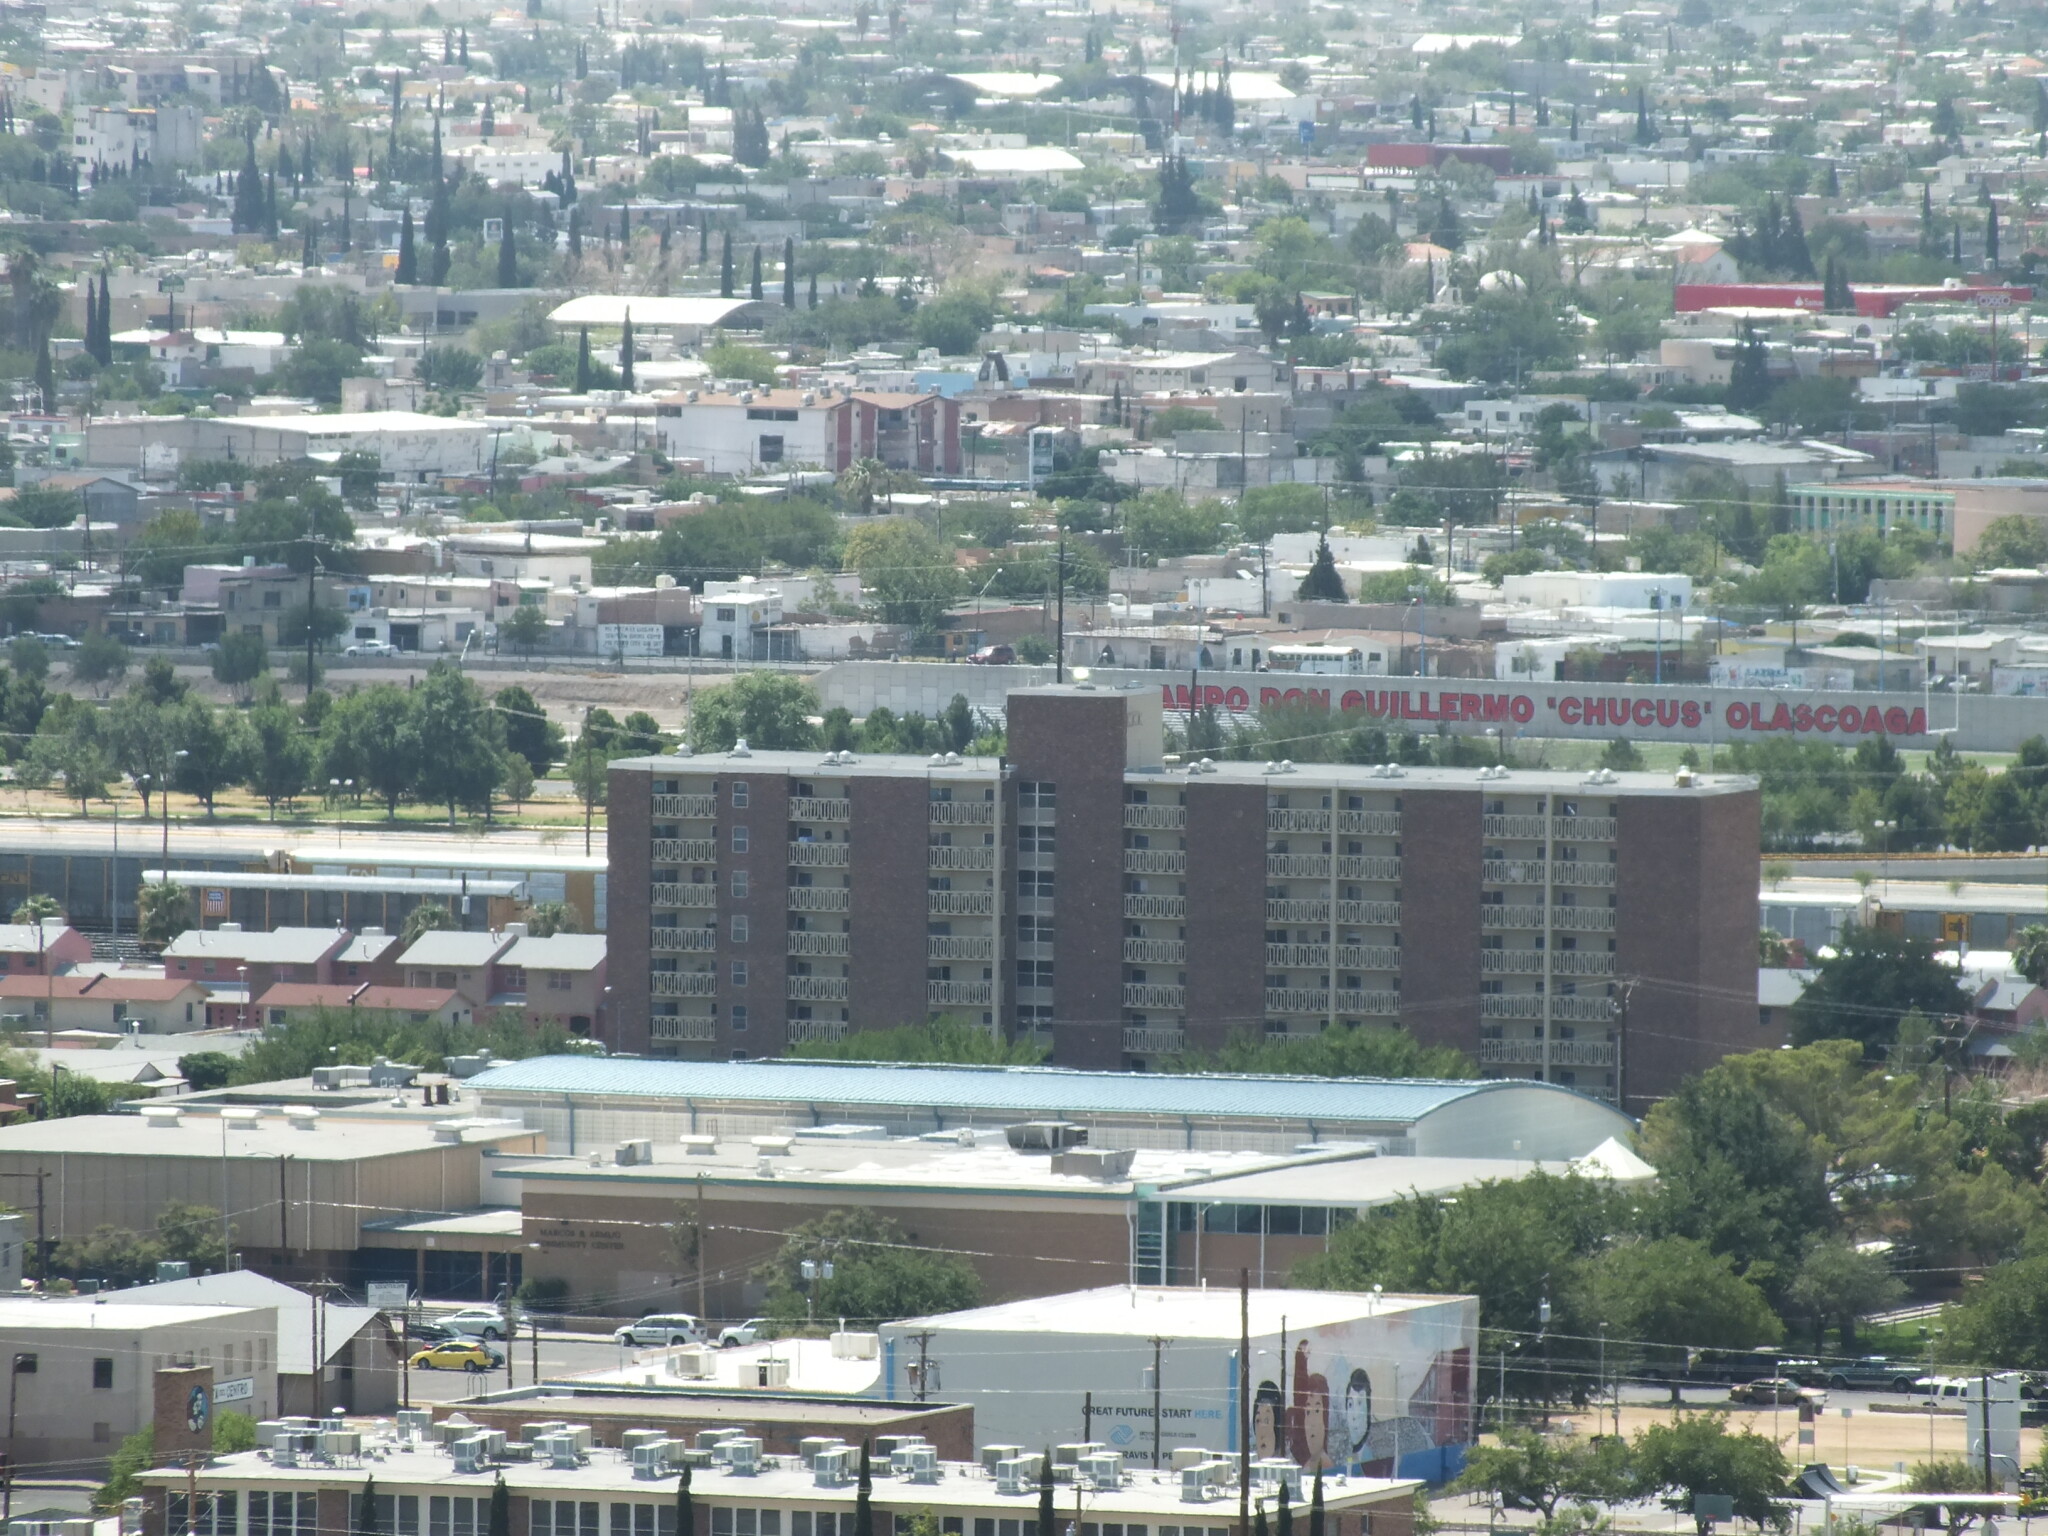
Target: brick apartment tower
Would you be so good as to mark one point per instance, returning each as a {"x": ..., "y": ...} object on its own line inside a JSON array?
[{"x": 1594, "y": 930}]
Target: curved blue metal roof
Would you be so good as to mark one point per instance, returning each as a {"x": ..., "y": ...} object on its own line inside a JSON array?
[{"x": 1024, "y": 1091}]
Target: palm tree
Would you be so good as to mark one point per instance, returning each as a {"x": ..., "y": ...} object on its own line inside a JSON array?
[
  {"x": 545, "y": 919},
  {"x": 38, "y": 909},
  {"x": 2030, "y": 953},
  {"x": 165, "y": 910},
  {"x": 427, "y": 917}
]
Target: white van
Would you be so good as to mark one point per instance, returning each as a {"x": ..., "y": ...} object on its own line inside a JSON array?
[{"x": 659, "y": 1328}]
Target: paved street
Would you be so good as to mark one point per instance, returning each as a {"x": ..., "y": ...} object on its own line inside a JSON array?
[{"x": 561, "y": 1354}]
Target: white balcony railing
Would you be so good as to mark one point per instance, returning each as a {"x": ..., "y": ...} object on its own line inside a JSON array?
[
  {"x": 960, "y": 946},
  {"x": 1368, "y": 957},
  {"x": 1583, "y": 919},
  {"x": 1155, "y": 861},
  {"x": 1370, "y": 914},
  {"x": 1286, "y": 910},
  {"x": 817, "y": 989},
  {"x": 1497, "y": 916},
  {"x": 1141, "y": 1041},
  {"x": 1357, "y": 866},
  {"x": 821, "y": 855},
  {"x": 1297, "y": 1000},
  {"x": 813, "y": 808},
  {"x": 1370, "y": 823},
  {"x": 685, "y": 894},
  {"x": 1351, "y": 1001},
  {"x": 1278, "y": 820},
  {"x": 1585, "y": 829},
  {"x": 1297, "y": 957},
  {"x": 960, "y": 994},
  {"x": 687, "y": 807},
  {"x": 1162, "y": 908},
  {"x": 1297, "y": 866},
  {"x": 1512, "y": 871},
  {"x": 685, "y": 850},
  {"x": 1511, "y": 962},
  {"x": 691, "y": 1026},
  {"x": 963, "y": 813},
  {"x": 960, "y": 903},
  {"x": 683, "y": 941},
  {"x": 820, "y": 898},
  {"x": 1583, "y": 872},
  {"x": 1149, "y": 995},
  {"x": 824, "y": 946},
  {"x": 968, "y": 860},
  {"x": 802, "y": 1030},
  {"x": 1576, "y": 962},
  {"x": 1511, "y": 1005},
  {"x": 1155, "y": 952},
  {"x": 1563, "y": 1053},
  {"x": 683, "y": 984},
  {"x": 1584, "y": 1010},
  {"x": 1529, "y": 827},
  {"x": 1155, "y": 818}
]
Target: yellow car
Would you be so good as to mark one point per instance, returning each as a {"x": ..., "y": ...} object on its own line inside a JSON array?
[{"x": 456, "y": 1354}]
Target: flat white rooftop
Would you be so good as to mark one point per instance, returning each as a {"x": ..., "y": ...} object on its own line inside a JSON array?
[{"x": 1188, "y": 1313}]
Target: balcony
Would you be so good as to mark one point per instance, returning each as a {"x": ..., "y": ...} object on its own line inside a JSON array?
[
  {"x": 1370, "y": 823},
  {"x": 820, "y": 898},
  {"x": 683, "y": 984},
  {"x": 821, "y": 855},
  {"x": 670, "y": 894},
  {"x": 960, "y": 994},
  {"x": 1511, "y": 1005},
  {"x": 965, "y": 946},
  {"x": 1155, "y": 861},
  {"x": 1572, "y": 962},
  {"x": 966, "y": 860},
  {"x": 963, "y": 813},
  {"x": 1368, "y": 957},
  {"x": 1297, "y": 821},
  {"x": 1159, "y": 908},
  {"x": 1583, "y": 919},
  {"x": 1563, "y": 1053},
  {"x": 1140, "y": 1041},
  {"x": 817, "y": 989},
  {"x": 821, "y": 946},
  {"x": 960, "y": 903},
  {"x": 1511, "y": 962},
  {"x": 691, "y": 1026},
  {"x": 806, "y": 1030},
  {"x": 1297, "y": 1000},
  {"x": 810, "y": 808},
  {"x": 1583, "y": 829},
  {"x": 1496, "y": 916},
  {"x": 683, "y": 941},
  {"x": 1386, "y": 1004},
  {"x": 1155, "y": 952},
  {"x": 1513, "y": 871},
  {"x": 1151, "y": 995},
  {"x": 1354, "y": 866},
  {"x": 1291, "y": 910},
  {"x": 1529, "y": 827},
  {"x": 1297, "y": 866},
  {"x": 686, "y": 807},
  {"x": 686, "y": 850},
  {"x": 1370, "y": 914},
  {"x": 1584, "y": 1010},
  {"x": 1155, "y": 818},
  {"x": 1297, "y": 957},
  {"x": 1582, "y": 872}
]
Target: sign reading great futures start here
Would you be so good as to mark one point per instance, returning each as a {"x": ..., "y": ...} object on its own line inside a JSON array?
[{"x": 1612, "y": 711}]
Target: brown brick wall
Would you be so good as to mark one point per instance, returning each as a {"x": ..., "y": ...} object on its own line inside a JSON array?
[
  {"x": 1226, "y": 927},
  {"x": 627, "y": 818},
  {"x": 1077, "y": 741},
  {"x": 890, "y": 834},
  {"x": 766, "y": 905},
  {"x": 1686, "y": 936},
  {"x": 1440, "y": 877}
]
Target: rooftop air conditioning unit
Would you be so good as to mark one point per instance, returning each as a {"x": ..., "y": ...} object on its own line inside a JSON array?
[
  {"x": 631, "y": 1440},
  {"x": 283, "y": 1453},
  {"x": 1014, "y": 1476},
  {"x": 772, "y": 1372},
  {"x": 742, "y": 1455},
  {"x": 694, "y": 1361},
  {"x": 416, "y": 1422},
  {"x": 471, "y": 1455},
  {"x": 634, "y": 1154},
  {"x": 707, "y": 1439},
  {"x": 652, "y": 1458},
  {"x": 833, "y": 1467},
  {"x": 921, "y": 1463},
  {"x": 1103, "y": 1470},
  {"x": 993, "y": 1455},
  {"x": 338, "y": 1443}
]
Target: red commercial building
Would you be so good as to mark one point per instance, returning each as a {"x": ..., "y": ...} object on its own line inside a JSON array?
[
  {"x": 1874, "y": 301},
  {"x": 1592, "y": 930}
]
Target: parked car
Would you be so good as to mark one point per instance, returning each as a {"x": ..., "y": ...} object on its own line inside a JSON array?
[
  {"x": 426, "y": 1330},
  {"x": 371, "y": 648},
  {"x": 1773, "y": 1389},
  {"x": 457, "y": 1355},
  {"x": 742, "y": 1333},
  {"x": 659, "y": 1328},
  {"x": 1873, "y": 1373},
  {"x": 480, "y": 1322},
  {"x": 994, "y": 656}
]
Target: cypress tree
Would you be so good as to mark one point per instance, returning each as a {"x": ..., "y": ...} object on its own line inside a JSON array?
[
  {"x": 247, "y": 216},
  {"x": 1259, "y": 1526},
  {"x": 107, "y": 316},
  {"x": 46, "y": 376},
  {"x": 508, "y": 256},
  {"x": 1315, "y": 1506},
  {"x": 583, "y": 388},
  {"x": 442, "y": 261},
  {"x": 1283, "y": 1524},
  {"x": 703, "y": 244},
  {"x": 626, "y": 353},
  {"x": 1047, "y": 1517},
  {"x": 1991, "y": 235},
  {"x": 863, "y": 1496},
  {"x": 308, "y": 257},
  {"x": 789, "y": 272},
  {"x": 725, "y": 268},
  {"x": 408, "y": 257},
  {"x": 814, "y": 290},
  {"x": 1322, "y": 584},
  {"x": 686, "y": 1511},
  {"x": 754, "y": 289},
  {"x": 270, "y": 205},
  {"x": 575, "y": 234},
  {"x": 500, "y": 1520}
]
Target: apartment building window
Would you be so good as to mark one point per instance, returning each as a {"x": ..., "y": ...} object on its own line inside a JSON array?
[
  {"x": 1034, "y": 930},
  {"x": 1037, "y": 794},
  {"x": 739, "y": 792},
  {"x": 739, "y": 1021},
  {"x": 1035, "y": 840},
  {"x": 103, "y": 1373},
  {"x": 739, "y": 839},
  {"x": 739, "y": 973},
  {"x": 739, "y": 882},
  {"x": 739, "y": 928},
  {"x": 1034, "y": 973},
  {"x": 1035, "y": 883}
]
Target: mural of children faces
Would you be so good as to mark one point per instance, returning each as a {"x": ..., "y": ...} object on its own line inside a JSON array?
[
  {"x": 1266, "y": 1407},
  {"x": 1357, "y": 1424}
]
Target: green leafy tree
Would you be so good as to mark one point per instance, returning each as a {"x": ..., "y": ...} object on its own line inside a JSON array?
[
  {"x": 879, "y": 1275},
  {"x": 239, "y": 659},
  {"x": 528, "y": 730},
  {"x": 1873, "y": 979},
  {"x": 1322, "y": 584},
  {"x": 427, "y": 917},
  {"x": 100, "y": 661},
  {"x": 947, "y": 1040},
  {"x": 768, "y": 710},
  {"x": 2030, "y": 953},
  {"x": 1695, "y": 1454},
  {"x": 525, "y": 628},
  {"x": 905, "y": 570},
  {"x": 1670, "y": 1293},
  {"x": 164, "y": 910},
  {"x": 1367, "y": 1050},
  {"x": 458, "y": 741},
  {"x": 1837, "y": 1283},
  {"x": 2011, "y": 543},
  {"x": 373, "y": 734},
  {"x": 205, "y": 1071},
  {"x": 281, "y": 764},
  {"x": 1537, "y": 1473},
  {"x": 212, "y": 748},
  {"x": 515, "y": 782}
]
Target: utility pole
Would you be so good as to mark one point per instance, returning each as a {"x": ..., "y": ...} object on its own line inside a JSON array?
[
  {"x": 1059, "y": 637},
  {"x": 1244, "y": 1402},
  {"x": 701, "y": 1256},
  {"x": 924, "y": 1363},
  {"x": 1158, "y": 1359},
  {"x": 313, "y": 543}
]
